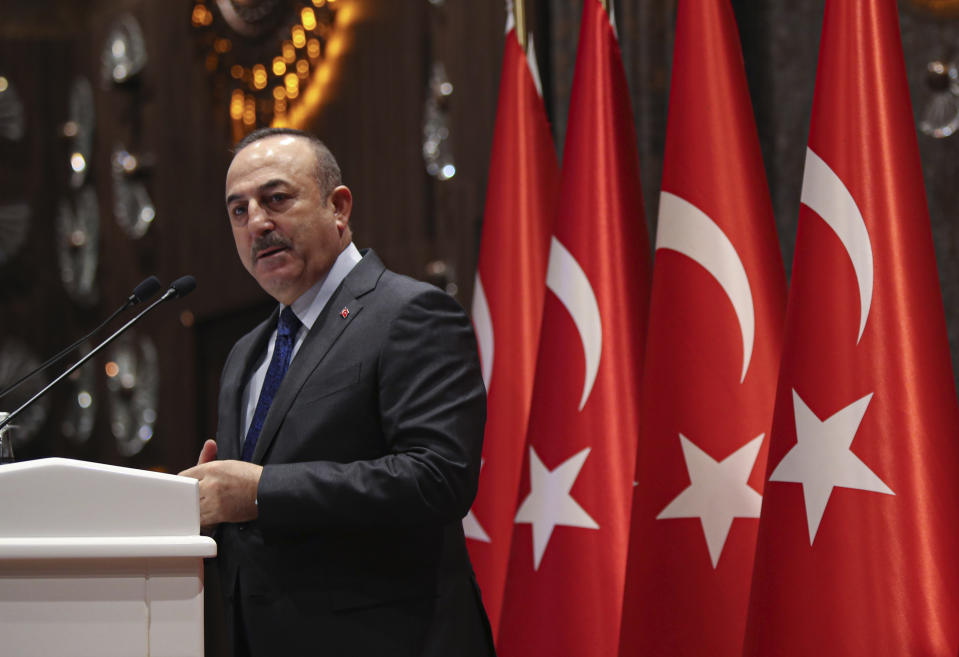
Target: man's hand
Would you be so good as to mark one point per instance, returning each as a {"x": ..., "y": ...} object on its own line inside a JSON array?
[
  {"x": 207, "y": 452},
  {"x": 227, "y": 488}
]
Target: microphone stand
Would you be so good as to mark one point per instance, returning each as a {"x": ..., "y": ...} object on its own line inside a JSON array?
[
  {"x": 172, "y": 292},
  {"x": 146, "y": 289}
]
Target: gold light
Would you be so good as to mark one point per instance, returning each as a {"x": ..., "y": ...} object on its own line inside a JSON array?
[
  {"x": 299, "y": 36},
  {"x": 292, "y": 84},
  {"x": 236, "y": 105},
  {"x": 112, "y": 369},
  {"x": 334, "y": 46},
  {"x": 323, "y": 72},
  {"x": 280, "y": 87},
  {"x": 302, "y": 69},
  {"x": 259, "y": 76},
  {"x": 201, "y": 16},
  {"x": 308, "y": 18}
]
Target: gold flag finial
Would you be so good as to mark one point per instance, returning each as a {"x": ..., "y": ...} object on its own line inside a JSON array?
[{"x": 519, "y": 13}]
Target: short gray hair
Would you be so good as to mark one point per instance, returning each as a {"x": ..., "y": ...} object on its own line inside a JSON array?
[{"x": 327, "y": 170}]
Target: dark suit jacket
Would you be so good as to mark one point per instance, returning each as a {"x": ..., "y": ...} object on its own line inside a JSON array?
[{"x": 370, "y": 455}]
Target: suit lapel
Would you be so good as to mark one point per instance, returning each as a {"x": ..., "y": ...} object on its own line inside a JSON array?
[
  {"x": 331, "y": 323},
  {"x": 232, "y": 431}
]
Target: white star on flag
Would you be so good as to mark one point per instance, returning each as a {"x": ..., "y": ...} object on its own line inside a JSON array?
[
  {"x": 471, "y": 526},
  {"x": 717, "y": 492},
  {"x": 822, "y": 458},
  {"x": 473, "y": 529},
  {"x": 549, "y": 502}
]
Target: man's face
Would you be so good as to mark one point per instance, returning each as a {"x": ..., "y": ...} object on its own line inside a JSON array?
[{"x": 287, "y": 234}]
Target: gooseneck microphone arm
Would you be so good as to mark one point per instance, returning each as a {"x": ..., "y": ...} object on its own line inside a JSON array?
[
  {"x": 178, "y": 288},
  {"x": 145, "y": 290}
]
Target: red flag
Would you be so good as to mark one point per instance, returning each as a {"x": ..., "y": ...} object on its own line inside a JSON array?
[
  {"x": 712, "y": 355},
  {"x": 858, "y": 547},
  {"x": 508, "y": 307},
  {"x": 564, "y": 590}
]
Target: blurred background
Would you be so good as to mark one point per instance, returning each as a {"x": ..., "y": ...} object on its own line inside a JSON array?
[{"x": 116, "y": 123}]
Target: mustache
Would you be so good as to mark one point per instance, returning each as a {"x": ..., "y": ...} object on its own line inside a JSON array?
[{"x": 268, "y": 241}]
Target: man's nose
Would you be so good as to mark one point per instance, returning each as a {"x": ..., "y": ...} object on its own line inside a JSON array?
[{"x": 258, "y": 221}]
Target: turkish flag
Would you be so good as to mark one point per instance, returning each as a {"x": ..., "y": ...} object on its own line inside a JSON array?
[
  {"x": 712, "y": 356},
  {"x": 508, "y": 306},
  {"x": 858, "y": 546},
  {"x": 564, "y": 590}
]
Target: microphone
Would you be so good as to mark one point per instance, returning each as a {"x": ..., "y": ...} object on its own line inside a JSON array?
[
  {"x": 182, "y": 286},
  {"x": 145, "y": 290},
  {"x": 178, "y": 289}
]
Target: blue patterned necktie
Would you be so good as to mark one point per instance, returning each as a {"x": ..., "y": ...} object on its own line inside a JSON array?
[{"x": 282, "y": 349}]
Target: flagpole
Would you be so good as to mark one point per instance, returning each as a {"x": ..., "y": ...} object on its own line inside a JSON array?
[
  {"x": 564, "y": 589},
  {"x": 507, "y": 307},
  {"x": 519, "y": 13}
]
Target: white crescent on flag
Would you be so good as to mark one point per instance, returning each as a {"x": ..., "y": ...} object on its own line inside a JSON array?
[
  {"x": 688, "y": 230},
  {"x": 570, "y": 284},
  {"x": 483, "y": 323},
  {"x": 826, "y": 195}
]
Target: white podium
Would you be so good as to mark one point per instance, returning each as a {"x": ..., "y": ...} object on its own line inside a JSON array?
[{"x": 98, "y": 560}]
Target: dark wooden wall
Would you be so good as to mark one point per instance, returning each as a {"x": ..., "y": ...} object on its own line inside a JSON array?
[{"x": 372, "y": 120}]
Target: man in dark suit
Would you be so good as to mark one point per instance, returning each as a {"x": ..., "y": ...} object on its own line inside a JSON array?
[{"x": 349, "y": 436}]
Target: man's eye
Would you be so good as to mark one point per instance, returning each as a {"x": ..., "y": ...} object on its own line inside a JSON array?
[
  {"x": 277, "y": 198},
  {"x": 237, "y": 211}
]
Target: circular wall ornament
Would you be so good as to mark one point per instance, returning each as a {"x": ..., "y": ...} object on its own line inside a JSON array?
[
  {"x": 133, "y": 383},
  {"x": 132, "y": 206},
  {"x": 16, "y": 360},
  {"x": 252, "y": 17},
  {"x": 940, "y": 114},
  {"x": 124, "y": 51},
  {"x": 14, "y": 223},
  {"x": 78, "y": 248},
  {"x": 81, "y": 407},
  {"x": 437, "y": 149},
  {"x": 12, "y": 124},
  {"x": 79, "y": 129}
]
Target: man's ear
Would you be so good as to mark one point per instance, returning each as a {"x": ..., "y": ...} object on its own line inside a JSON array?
[{"x": 342, "y": 200}]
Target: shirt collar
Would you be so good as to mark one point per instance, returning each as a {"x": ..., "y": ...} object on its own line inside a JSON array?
[{"x": 308, "y": 305}]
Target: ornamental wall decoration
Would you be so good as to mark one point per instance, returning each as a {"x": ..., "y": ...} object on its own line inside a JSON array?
[{"x": 264, "y": 55}]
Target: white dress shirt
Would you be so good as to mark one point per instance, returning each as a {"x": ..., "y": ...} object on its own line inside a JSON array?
[{"x": 307, "y": 308}]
